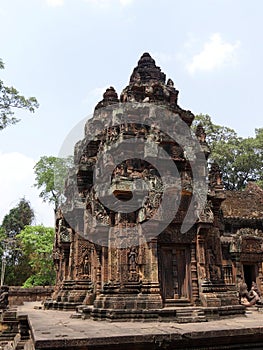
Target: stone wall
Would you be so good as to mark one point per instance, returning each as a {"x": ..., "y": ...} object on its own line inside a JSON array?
[{"x": 18, "y": 295}]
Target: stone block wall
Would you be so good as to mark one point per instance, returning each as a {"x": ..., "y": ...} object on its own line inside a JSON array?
[{"x": 18, "y": 295}]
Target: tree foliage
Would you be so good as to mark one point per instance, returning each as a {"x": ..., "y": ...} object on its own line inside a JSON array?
[
  {"x": 240, "y": 159},
  {"x": 18, "y": 218},
  {"x": 17, "y": 268},
  {"x": 214, "y": 133},
  {"x": 10, "y": 100},
  {"x": 51, "y": 173},
  {"x": 36, "y": 243},
  {"x": 27, "y": 249}
]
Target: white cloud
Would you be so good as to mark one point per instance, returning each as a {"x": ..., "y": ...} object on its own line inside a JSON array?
[
  {"x": 215, "y": 53},
  {"x": 55, "y": 3},
  {"x": 16, "y": 181}
]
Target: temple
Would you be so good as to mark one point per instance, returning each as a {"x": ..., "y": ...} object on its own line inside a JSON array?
[
  {"x": 242, "y": 236},
  {"x": 117, "y": 255}
]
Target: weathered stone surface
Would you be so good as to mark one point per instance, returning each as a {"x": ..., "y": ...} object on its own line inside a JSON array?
[
  {"x": 53, "y": 330},
  {"x": 103, "y": 256},
  {"x": 18, "y": 295},
  {"x": 4, "y": 294}
]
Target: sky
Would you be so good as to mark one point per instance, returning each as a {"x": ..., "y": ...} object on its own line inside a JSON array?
[{"x": 67, "y": 52}]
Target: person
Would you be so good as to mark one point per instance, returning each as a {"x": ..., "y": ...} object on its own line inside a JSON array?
[
  {"x": 247, "y": 298},
  {"x": 255, "y": 288},
  {"x": 255, "y": 292}
]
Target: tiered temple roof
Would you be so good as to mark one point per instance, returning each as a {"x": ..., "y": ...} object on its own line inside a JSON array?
[{"x": 246, "y": 204}]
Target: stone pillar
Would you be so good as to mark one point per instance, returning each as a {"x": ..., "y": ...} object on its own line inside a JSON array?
[
  {"x": 260, "y": 276},
  {"x": 113, "y": 258},
  {"x": 202, "y": 271},
  {"x": 71, "y": 266},
  {"x": 194, "y": 274},
  {"x": 98, "y": 277},
  {"x": 154, "y": 261}
]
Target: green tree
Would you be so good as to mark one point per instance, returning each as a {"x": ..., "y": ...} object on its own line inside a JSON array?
[
  {"x": 258, "y": 149},
  {"x": 10, "y": 100},
  {"x": 51, "y": 173},
  {"x": 37, "y": 244},
  {"x": 18, "y": 218},
  {"x": 214, "y": 133},
  {"x": 240, "y": 159},
  {"x": 17, "y": 268}
]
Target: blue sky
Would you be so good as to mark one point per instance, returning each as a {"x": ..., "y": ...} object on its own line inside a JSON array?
[{"x": 66, "y": 52}]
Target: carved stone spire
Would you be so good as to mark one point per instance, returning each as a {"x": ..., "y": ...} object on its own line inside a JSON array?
[
  {"x": 110, "y": 97},
  {"x": 147, "y": 71},
  {"x": 148, "y": 85}
]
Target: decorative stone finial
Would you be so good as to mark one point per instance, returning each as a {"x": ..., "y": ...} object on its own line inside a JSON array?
[
  {"x": 110, "y": 97},
  {"x": 200, "y": 133},
  {"x": 147, "y": 70},
  {"x": 215, "y": 176},
  {"x": 201, "y": 136},
  {"x": 148, "y": 84},
  {"x": 170, "y": 83}
]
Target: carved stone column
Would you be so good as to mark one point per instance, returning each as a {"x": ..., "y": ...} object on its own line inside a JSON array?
[
  {"x": 202, "y": 271},
  {"x": 98, "y": 278},
  {"x": 194, "y": 274},
  {"x": 260, "y": 275}
]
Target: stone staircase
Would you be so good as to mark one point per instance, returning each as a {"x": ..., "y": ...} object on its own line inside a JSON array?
[
  {"x": 179, "y": 314},
  {"x": 190, "y": 315}
]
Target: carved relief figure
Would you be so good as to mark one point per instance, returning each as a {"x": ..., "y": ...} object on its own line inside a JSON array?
[
  {"x": 132, "y": 260},
  {"x": 86, "y": 267}
]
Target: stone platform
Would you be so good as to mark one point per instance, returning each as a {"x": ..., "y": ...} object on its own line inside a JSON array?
[{"x": 58, "y": 330}]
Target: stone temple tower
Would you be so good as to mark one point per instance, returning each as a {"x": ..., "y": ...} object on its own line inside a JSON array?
[{"x": 139, "y": 234}]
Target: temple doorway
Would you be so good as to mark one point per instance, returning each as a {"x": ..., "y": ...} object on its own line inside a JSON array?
[
  {"x": 250, "y": 274},
  {"x": 174, "y": 273}
]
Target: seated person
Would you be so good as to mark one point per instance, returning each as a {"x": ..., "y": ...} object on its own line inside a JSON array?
[
  {"x": 247, "y": 298},
  {"x": 255, "y": 291}
]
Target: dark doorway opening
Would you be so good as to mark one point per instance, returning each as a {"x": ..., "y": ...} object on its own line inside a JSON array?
[{"x": 249, "y": 275}]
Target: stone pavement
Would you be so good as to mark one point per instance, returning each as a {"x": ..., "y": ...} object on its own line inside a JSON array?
[{"x": 57, "y": 330}]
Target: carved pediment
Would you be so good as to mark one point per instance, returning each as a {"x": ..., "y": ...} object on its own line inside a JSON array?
[
  {"x": 252, "y": 245},
  {"x": 174, "y": 235}
]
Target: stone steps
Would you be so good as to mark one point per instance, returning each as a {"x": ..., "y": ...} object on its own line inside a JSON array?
[
  {"x": 76, "y": 315},
  {"x": 184, "y": 314},
  {"x": 190, "y": 315},
  {"x": 177, "y": 303}
]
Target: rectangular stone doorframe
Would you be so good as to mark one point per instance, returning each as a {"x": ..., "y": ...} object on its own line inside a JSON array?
[{"x": 175, "y": 274}]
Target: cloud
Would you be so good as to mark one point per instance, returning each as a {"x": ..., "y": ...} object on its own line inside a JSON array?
[
  {"x": 215, "y": 53},
  {"x": 16, "y": 181},
  {"x": 55, "y": 3}
]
